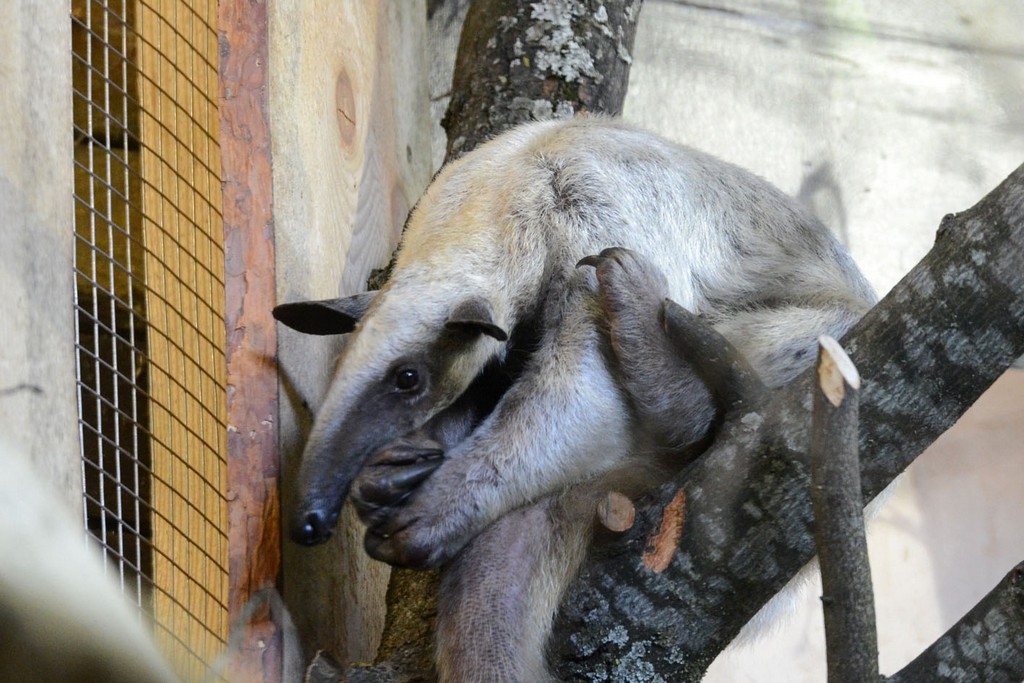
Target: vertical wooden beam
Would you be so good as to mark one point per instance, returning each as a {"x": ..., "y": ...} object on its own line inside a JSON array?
[{"x": 254, "y": 527}]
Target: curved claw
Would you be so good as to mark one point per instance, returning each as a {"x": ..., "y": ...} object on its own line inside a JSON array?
[
  {"x": 406, "y": 451},
  {"x": 384, "y": 548},
  {"x": 392, "y": 485},
  {"x": 403, "y": 455},
  {"x": 595, "y": 260}
]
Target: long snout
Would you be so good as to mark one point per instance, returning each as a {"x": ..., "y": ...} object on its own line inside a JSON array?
[
  {"x": 321, "y": 493},
  {"x": 338, "y": 447}
]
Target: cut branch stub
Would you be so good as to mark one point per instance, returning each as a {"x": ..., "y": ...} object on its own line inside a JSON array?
[
  {"x": 851, "y": 638},
  {"x": 835, "y": 371},
  {"x": 616, "y": 512}
]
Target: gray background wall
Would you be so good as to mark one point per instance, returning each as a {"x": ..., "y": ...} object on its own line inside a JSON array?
[
  {"x": 883, "y": 117},
  {"x": 38, "y": 414}
]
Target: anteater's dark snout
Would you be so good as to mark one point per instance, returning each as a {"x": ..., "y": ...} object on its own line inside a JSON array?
[{"x": 313, "y": 527}]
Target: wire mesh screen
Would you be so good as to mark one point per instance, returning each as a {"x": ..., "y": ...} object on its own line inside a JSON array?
[{"x": 150, "y": 336}]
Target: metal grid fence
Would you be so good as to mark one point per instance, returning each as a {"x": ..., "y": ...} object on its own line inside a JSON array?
[{"x": 150, "y": 320}]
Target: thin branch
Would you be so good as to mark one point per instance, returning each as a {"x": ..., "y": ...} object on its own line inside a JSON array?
[{"x": 851, "y": 638}]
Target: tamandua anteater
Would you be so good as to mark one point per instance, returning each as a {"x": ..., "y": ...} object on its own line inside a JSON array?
[{"x": 477, "y": 393}]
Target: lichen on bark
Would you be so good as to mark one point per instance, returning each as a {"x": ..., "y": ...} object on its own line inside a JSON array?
[{"x": 525, "y": 61}]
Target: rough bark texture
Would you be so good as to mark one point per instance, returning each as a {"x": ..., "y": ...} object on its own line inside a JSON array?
[
  {"x": 408, "y": 641},
  {"x": 522, "y": 61},
  {"x": 986, "y": 645},
  {"x": 925, "y": 353},
  {"x": 847, "y": 601}
]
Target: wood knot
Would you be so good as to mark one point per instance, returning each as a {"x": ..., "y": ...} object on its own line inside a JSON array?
[{"x": 345, "y": 108}]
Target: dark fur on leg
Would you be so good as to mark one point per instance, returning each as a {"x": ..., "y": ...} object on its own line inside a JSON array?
[
  {"x": 681, "y": 374},
  {"x": 499, "y": 596}
]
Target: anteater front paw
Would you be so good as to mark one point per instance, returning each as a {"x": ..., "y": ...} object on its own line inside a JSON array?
[{"x": 392, "y": 474}]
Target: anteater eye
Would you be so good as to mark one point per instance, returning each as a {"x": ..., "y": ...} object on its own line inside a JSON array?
[{"x": 407, "y": 379}]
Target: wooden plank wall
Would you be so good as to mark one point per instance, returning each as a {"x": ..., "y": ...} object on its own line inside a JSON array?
[
  {"x": 351, "y": 147},
  {"x": 185, "y": 309}
]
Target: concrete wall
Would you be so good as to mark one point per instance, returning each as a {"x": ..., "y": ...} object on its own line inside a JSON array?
[{"x": 38, "y": 414}]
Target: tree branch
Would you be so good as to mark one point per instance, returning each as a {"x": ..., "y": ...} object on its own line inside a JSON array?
[
  {"x": 986, "y": 645},
  {"x": 925, "y": 353},
  {"x": 851, "y": 639}
]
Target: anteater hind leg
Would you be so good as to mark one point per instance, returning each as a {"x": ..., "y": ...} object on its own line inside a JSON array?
[
  {"x": 680, "y": 374},
  {"x": 499, "y": 595}
]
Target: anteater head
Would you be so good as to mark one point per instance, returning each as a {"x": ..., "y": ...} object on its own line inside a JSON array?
[
  {"x": 465, "y": 275},
  {"x": 411, "y": 352}
]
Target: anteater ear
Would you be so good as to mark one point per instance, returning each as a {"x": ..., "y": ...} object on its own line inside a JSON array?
[
  {"x": 475, "y": 314},
  {"x": 330, "y": 316}
]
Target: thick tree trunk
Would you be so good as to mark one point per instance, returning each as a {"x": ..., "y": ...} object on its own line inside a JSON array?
[{"x": 524, "y": 61}]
